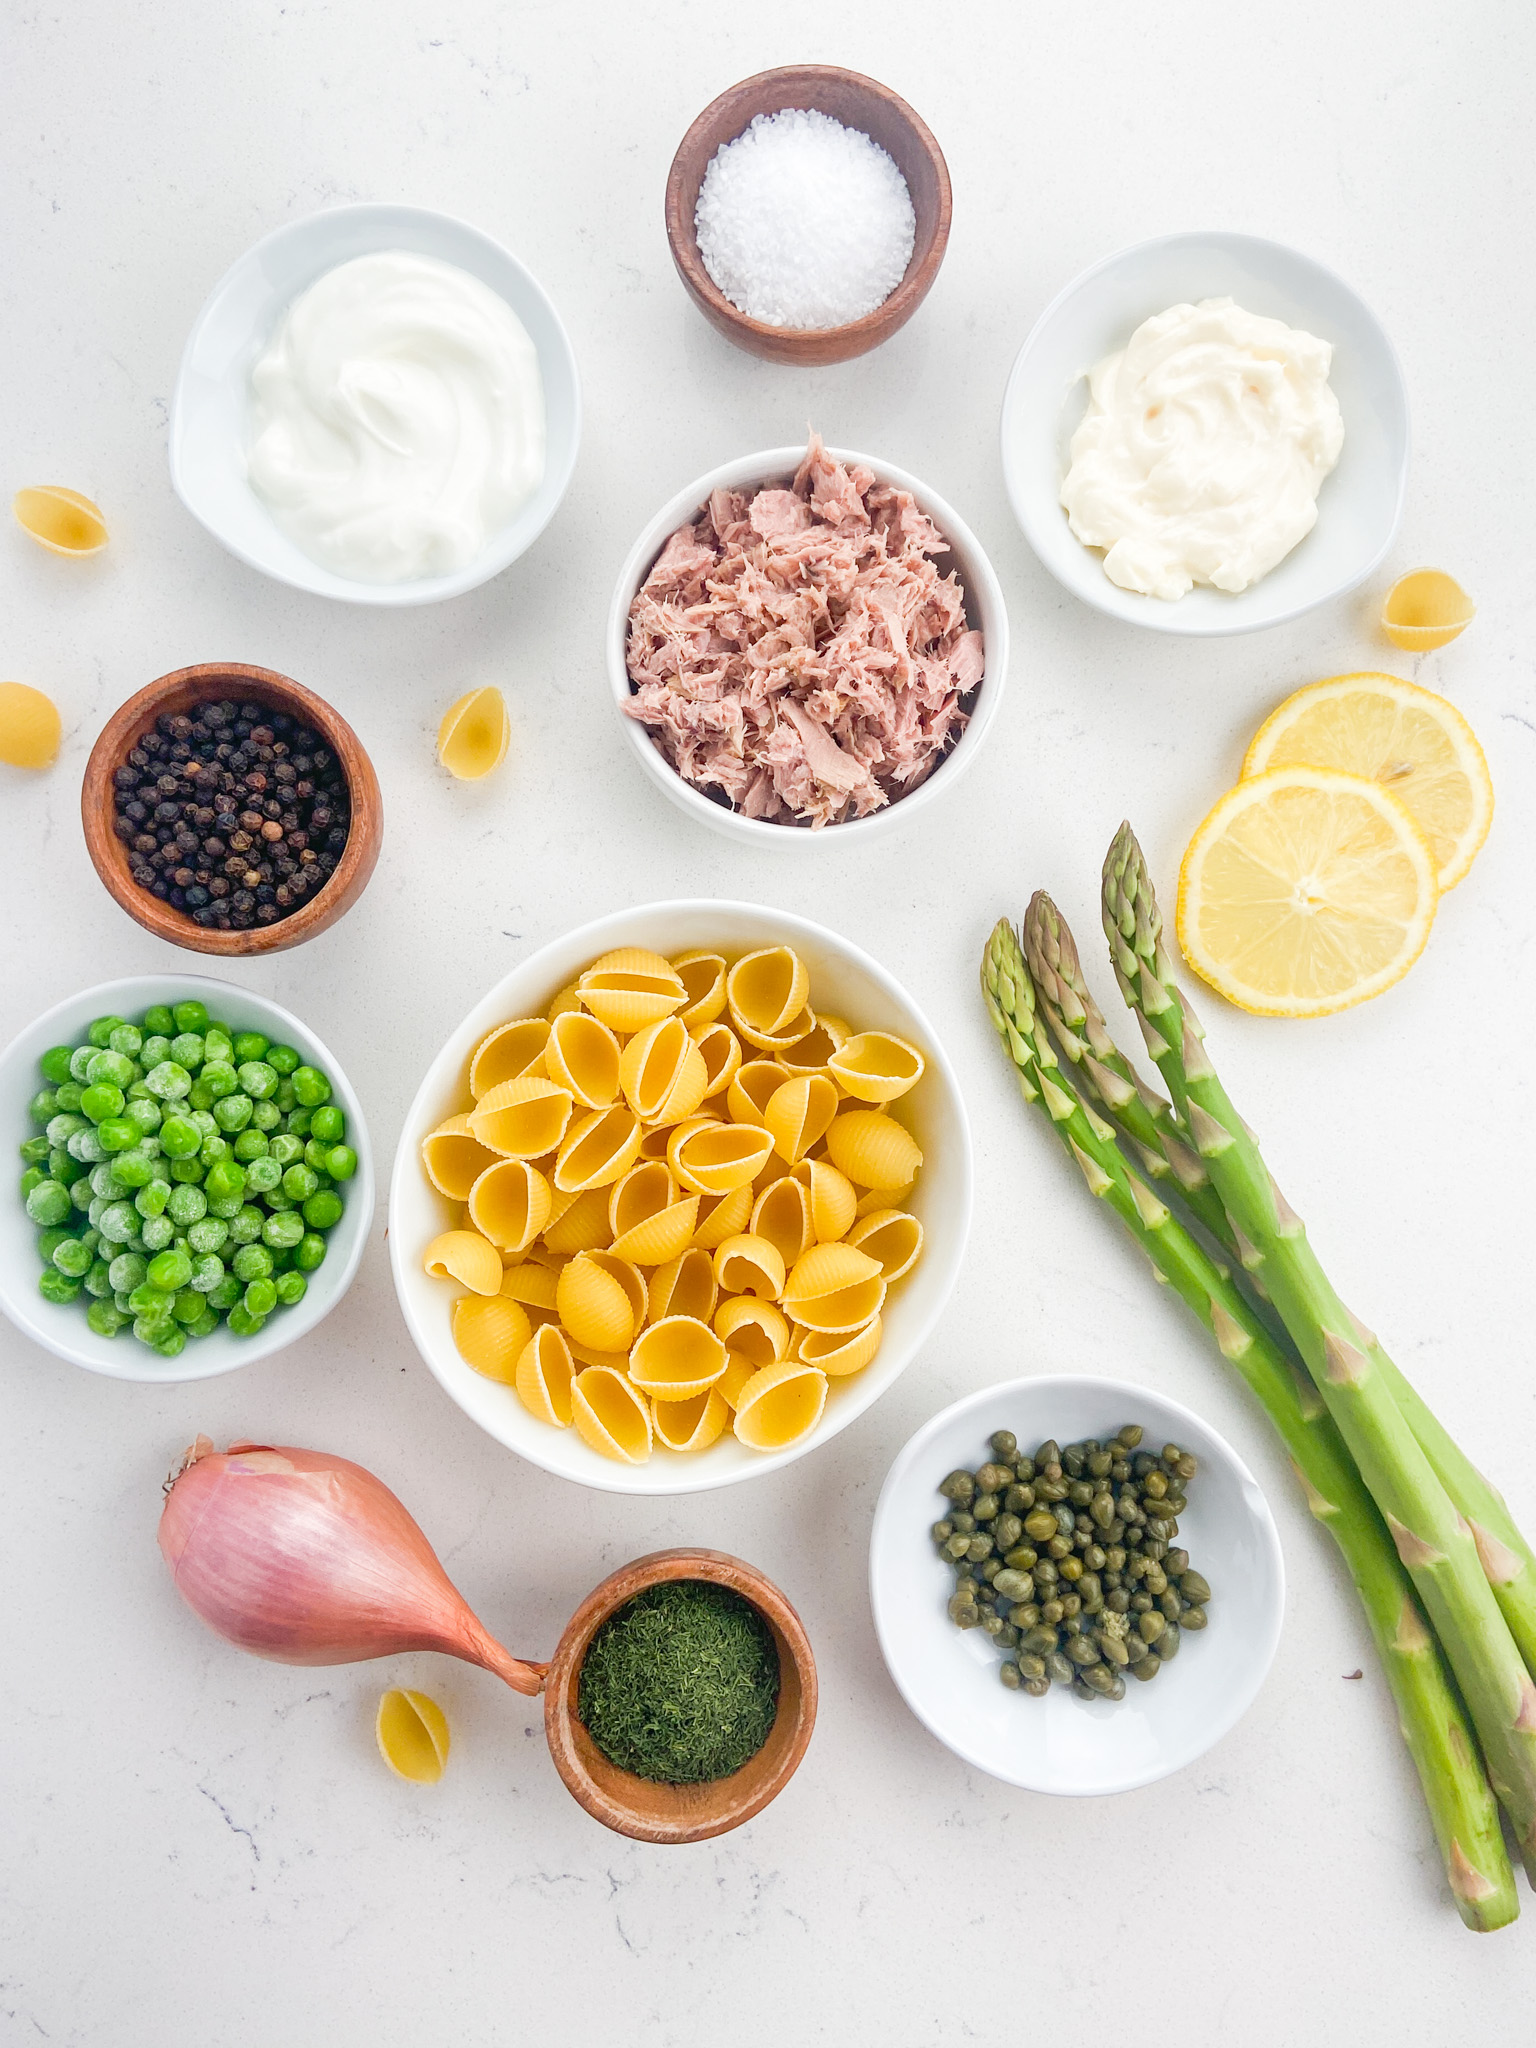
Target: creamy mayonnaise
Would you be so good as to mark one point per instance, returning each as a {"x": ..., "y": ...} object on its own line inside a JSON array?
[
  {"x": 397, "y": 418},
  {"x": 1204, "y": 446}
]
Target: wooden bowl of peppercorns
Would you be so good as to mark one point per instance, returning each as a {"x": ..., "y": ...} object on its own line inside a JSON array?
[{"x": 230, "y": 810}]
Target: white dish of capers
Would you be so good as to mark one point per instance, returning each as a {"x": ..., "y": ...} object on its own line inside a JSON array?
[{"x": 980, "y": 1689}]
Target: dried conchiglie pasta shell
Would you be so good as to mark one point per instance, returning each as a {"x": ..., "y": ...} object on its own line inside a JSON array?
[
  {"x": 876, "y": 1066},
  {"x": 752, "y": 1089},
  {"x": 453, "y": 1158},
  {"x": 583, "y": 1055},
  {"x": 722, "y": 1057},
  {"x": 685, "y": 1286},
  {"x": 652, "y": 1064},
  {"x": 800, "y": 1115},
  {"x": 722, "y": 1216},
  {"x": 60, "y": 520},
  {"x": 754, "y": 1333},
  {"x": 691, "y": 1425},
  {"x": 598, "y": 1150},
  {"x": 703, "y": 978},
  {"x": 750, "y": 1265},
  {"x": 782, "y": 1214},
  {"x": 473, "y": 737},
  {"x": 544, "y": 1376},
  {"x": 631, "y": 988},
  {"x": 412, "y": 1734},
  {"x": 611, "y": 1415},
  {"x": 510, "y": 1204},
  {"x": 602, "y": 1300},
  {"x": 834, "y": 1202},
  {"x": 512, "y": 1052},
  {"x": 587, "y": 1354},
  {"x": 795, "y": 1032},
  {"x": 532, "y": 1285},
  {"x": 715, "y": 1158},
  {"x": 873, "y": 1149},
  {"x": 877, "y": 1199},
  {"x": 652, "y": 1220},
  {"x": 522, "y": 1119},
  {"x": 29, "y": 726},
  {"x": 839, "y": 1352},
  {"x": 780, "y": 1405},
  {"x": 834, "y": 1287},
  {"x": 582, "y": 1226},
  {"x": 676, "y": 1358},
  {"x": 490, "y": 1332},
  {"x": 811, "y": 1053},
  {"x": 465, "y": 1256},
  {"x": 738, "y": 1374},
  {"x": 766, "y": 990},
  {"x": 1426, "y": 609},
  {"x": 565, "y": 999},
  {"x": 892, "y": 1237}
]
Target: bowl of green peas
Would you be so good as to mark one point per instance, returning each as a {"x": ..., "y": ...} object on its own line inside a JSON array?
[{"x": 194, "y": 1179}]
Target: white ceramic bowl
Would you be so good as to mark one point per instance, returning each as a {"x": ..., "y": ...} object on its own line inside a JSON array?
[
  {"x": 948, "y": 1677},
  {"x": 63, "y": 1329},
  {"x": 843, "y": 980},
  {"x": 984, "y": 608},
  {"x": 209, "y": 412},
  {"x": 1360, "y": 503}
]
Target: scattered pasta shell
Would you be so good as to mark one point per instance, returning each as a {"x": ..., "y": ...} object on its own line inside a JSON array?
[
  {"x": 650, "y": 1223},
  {"x": 473, "y": 737},
  {"x": 1426, "y": 609},
  {"x": 685, "y": 1286},
  {"x": 567, "y": 998},
  {"x": 60, "y": 520},
  {"x": 873, "y": 1149},
  {"x": 833, "y": 1200},
  {"x": 582, "y": 1225},
  {"x": 722, "y": 1216},
  {"x": 29, "y": 726},
  {"x": 465, "y": 1256},
  {"x": 750, "y": 1265},
  {"x": 545, "y": 1375},
  {"x": 512, "y": 1052},
  {"x": 453, "y": 1158},
  {"x": 510, "y": 1204},
  {"x": 811, "y": 1054},
  {"x": 490, "y": 1332},
  {"x": 839, "y": 1352},
  {"x": 876, "y": 1066},
  {"x": 583, "y": 1055},
  {"x": 676, "y": 1358},
  {"x": 782, "y": 1214},
  {"x": 532, "y": 1285},
  {"x": 835, "y": 1287},
  {"x": 599, "y": 1149},
  {"x": 766, "y": 990},
  {"x": 780, "y": 1405},
  {"x": 412, "y": 1734},
  {"x": 800, "y": 1115},
  {"x": 703, "y": 979},
  {"x": 522, "y": 1119},
  {"x": 601, "y": 1300},
  {"x": 752, "y": 1088},
  {"x": 721, "y": 1049},
  {"x": 754, "y": 1333},
  {"x": 892, "y": 1237},
  {"x": 690, "y": 1425},
  {"x": 715, "y": 1158},
  {"x": 738, "y": 1374},
  {"x": 630, "y": 988},
  {"x": 611, "y": 1415}
]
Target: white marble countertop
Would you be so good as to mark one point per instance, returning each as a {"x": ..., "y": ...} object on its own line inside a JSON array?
[{"x": 201, "y": 1847}]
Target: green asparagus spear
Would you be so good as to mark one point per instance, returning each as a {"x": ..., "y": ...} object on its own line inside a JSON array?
[
  {"x": 1432, "y": 1719},
  {"x": 1433, "y": 1540}
]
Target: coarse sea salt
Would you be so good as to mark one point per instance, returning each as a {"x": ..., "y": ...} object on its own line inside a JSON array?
[{"x": 802, "y": 222}]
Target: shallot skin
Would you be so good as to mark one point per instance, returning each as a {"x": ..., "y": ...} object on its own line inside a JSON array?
[{"x": 306, "y": 1558}]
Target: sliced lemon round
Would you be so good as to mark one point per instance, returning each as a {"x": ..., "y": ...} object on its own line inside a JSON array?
[
  {"x": 1409, "y": 740},
  {"x": 1305, "y": 891}
]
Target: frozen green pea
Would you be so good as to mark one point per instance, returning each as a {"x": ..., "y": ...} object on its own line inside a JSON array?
[
  {"x": 104, "y": 1180},
  {"x": 209, "y": 1235},
  {"x": 105, "y": 1318},
  {"x": 86, "y": 1146},
  {"x": 260, "y": 1298},
  {"x": 48, "y": 1242},
  {"x": 188, "y": 1171},
  {"x": 151, "y": 1199},
  {"x": 283, "y": 1231},
  {"x": 265, "y": 1116},
  {"x": 291, "y": 1288},
  {"x": 48, "y": 1203},
  {"x": 258, "y": 1079},
  {"x": 226, "y": 1179},
  {"x": 245, "y": 1224},
  {"x": 64, "y": 1166},
  {"x": 67, "y": 1096},
  {"x": 328, "y": 1124},
  {"x": 218, "y": 1046},
  {"x": 117, "y": 1134},
  {"x": 218, "y": 1077},
  {"x": 233, "y": 1112},
  {"x": 157, "y": 1232},
  {"x": 53, "y": 1285},
  {"x": 187, "y": 1049},
  {"x": 251, "y": 1262},
  {"x": 207, "y": 1271},
  {"x": 190, "y": 1015},
  {"x": 250, "y": 1045},
  {"x": 282, "y": 1058},
  {"x": 299, "y": 1182},
  {"x": 128, "y": 1270},
  {"x": 262, "y": 1175},
  {"x": 311, "y": 1087},
  {"x": 148, "y": 1300},
  {"x": 205, "y": 1324},
  {"x": 80, "y": 1196},
  {"x": 315, "y": 1155},
  {"x": 159, "y": 1018},
  {"x": 143, "y": 1111},
  {"x": 285, "y": 1148},
  {"x": 97, "y": 1281},
  {"x": 35, "y": 1150},
  {"x": 111, "y": 1070},
  {"x": 309, "y": 1252},
  {"x": 179, "y": 1137},
  {"x": 54, "y": 1064},
  {"x": 242, "y": 1323},
  {"x": 199, "y": 1095},
  {"x": 226, "y": 1294},
  {"x": 170, "y": 1271},
  {"x": 73, "y": 1258},
  {"x": 44, "y": 1106},
  {"x": 285, "y": 1098},
  {"x": 101, "y": 1029},
  {"x": 205, "y": 1121},
  {"x": 250, "y": 1145},
  {"x": 212, "y": 1151},
  {"x": 224, "y": 1207},
  {"x": 126, "y": 1039},
  {"x": 188, "y": 1306},
  {"x": 101, "y": 1100},
  {"x": 153, "y": 1051},
  {"x": 341, "y": 1162},
  {"x": 32, "y": 1178},
  {"x": 278, "y": 1202},
  {"x": 62, "y": 1128},
  {"x": 299, "y": 1122},
  {"x": 168, "y": 1081},
  {"x": 133, "y": 1168},
  {"x": 79, "y": 1062},
  {"x": 187, "y": 1205}
]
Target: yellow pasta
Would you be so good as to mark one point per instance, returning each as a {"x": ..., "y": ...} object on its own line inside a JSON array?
[
  {"x": 754, "y": 1333},
  {"x": 834, "y": 1287},
  {"x": 490, "y": 1332},
  {"x": 876, "y": 1066},
  {"x": 738, "y": 1374},
  {"x": 676, "y": 1358},
  {"x": 533, "y": 1285},
  {"x": 839, "y": 1352},
  {"x": 750, "y": 1265},
  {"x": 685, "y": 1286},
  {"x": 465, "y": 1256},
  {"x": 833, "y": 1200},
  {"x": 412, "y": 1733},
  {"x": 782, "y": 1214},
  {"x": 587, "y": 1354},
  {"x": 715, "y": 1158},
  {"x": 583, "y": 1055},
  {"x": 509, "y": 1053},
  {"x": 544, "y": 1377},
  {"x": 800, "y": 1114},
  {"x": 522, "y": 1119},
  {"x": 780, "y": 1405},
  {"x": 630, "y": 988},
  {"x": 703, "y": 979},
  {"x": 601, "y": 1300},
  {"x": 599, "y": 1149},
  {"x": 662, "y": 1073},
  {"x": 752, "y": 1088},
  {"x": 873, "y": 1149},
  {"x": 454, "y": 1158},
  {"x": 611, "y": 1415},
  {"x": 892, "y": 1237},
  {"x": 473, "y": 737},
  {"x": 583, "y": 1225},
  {"x": 510, "y": 1204},
  {"x": 691, "y": 1425},
  {"x": 60, "y": 520},
  {"x": 651, "y": 1219},
  {"x": 811, "y": 1054},
  {"x": 722, "y": 1057},
  {"x": 563, "y": 1000},
  {"x": 30, "y": 726},
  {"x": 766, "y": 991},
  {"x": 878, "y": 1199},
  {"x": 722, "y": 1216}
]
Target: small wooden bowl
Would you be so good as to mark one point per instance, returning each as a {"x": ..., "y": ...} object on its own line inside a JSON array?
[
  {"x": 857, "y": 102},
  {"x": 639, "y": 1807},
  {"x": 182, "y": 692}
]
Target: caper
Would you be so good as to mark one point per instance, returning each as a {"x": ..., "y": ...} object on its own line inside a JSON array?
[
  {"x": 994, "y": 1478},
  {"x": 964, "y": 1612},
  {"x": 1038, "y": 1641},
  {"x": 1049, "y": 1489},
  {"x": 1049, "y": 1453},
  {"x": 967, "y": 1585},
  {"x": 1004, "y": 1443},
  {"x": 1170, "y": 1604},
  {"x": 1147, "y": 1668},
  {"x": 1018, "y": 1500},
  {"x": 1040, "y": 1524},
  {"x": 1118, "y": 1601},
  {"x": 1058, "y": 1668},
  {"x": 977, "y": 1547},
  {"x": 1030, "y": 1665},
  {"x": 942, "y": 1531},
  {"x": 1099, "y": 1463},
  {"x": 1007, "y": 1637},
  {"x": 1156, "y": 1580},
  {"x": 1192, "y": 1617},
  {"x": 1008, "y": 1672},
  {"x": 1037, "y": 1688},
  {"x": 1187, "y": 1466},
  {"x": 1059, "y": 1547},
  {"x": 1047, "y": 1572},
  {"x": 1155, "y": 1484},
  {"x": 991, "y": 1621},
  {"x": 1130, "y": 1436},
  {"x": 1093, "y": 1600},
  {"x": 1094, "y": 1558},
  {"x": 1141, "y": 1603},
  {"x": 1080, "y": 1493},
  {"x": 1172, "y": 1453},
  {"x": 1168, "y": 1642},
  {"x": 1194, "y": 1587},
  {"x": 1014, "y": 1585},
  {"x": 958, "y": 1544},
  {"x": 1102, "y": 1509},
  {"x": 1136, "y": 1649},
  {"x": 1100, "y": 1679},
  {"x": 1023, "y": 1557},
  {"x": 1006, "y": 1531},
  {"x": 1071, "y": 1603},
  {"x": 1113, "y": 1648},
  {"x": 958, "y": 1486},
  {"x": 1071, "y": 1568},
  {"x": 1071, "y": 1625},
  {"x": 1176, "y": 1563},
  {"x": 1052, "y": 1611},
  {"x": 1081, "y": 1649},
  {"x": 1120, "y": 1469},
  {"x": 1083, "y": 1692},
  {"x": 988, "y": 1569},
  {"x": 1027, "y": 1616},
  {"x": 1025, "y": 1468},
  {"x": 963, "y": 1523},
  {"x": 1151, "y": 1625},
  {"x": 1114, "y": 1557},
  {"x": 985, "y": 1507}
]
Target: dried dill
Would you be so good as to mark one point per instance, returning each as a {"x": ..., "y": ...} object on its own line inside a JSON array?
[{"x": 682, "y": 1684}]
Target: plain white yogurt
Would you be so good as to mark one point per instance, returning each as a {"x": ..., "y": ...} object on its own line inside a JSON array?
[{"x": 397, "y": 419}]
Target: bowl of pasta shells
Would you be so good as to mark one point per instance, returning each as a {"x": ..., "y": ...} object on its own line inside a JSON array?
[{"x": 681, "y": 1197}]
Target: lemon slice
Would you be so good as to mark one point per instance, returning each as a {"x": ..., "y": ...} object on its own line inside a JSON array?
[
  {"x": 1305, "y": 891},
  {"x": 1409, "y": 740}
]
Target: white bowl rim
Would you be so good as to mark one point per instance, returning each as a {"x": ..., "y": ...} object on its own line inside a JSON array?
[
  {"x": 293, "y": 1323},
  {"x": 1166, "y": 619},
  {"x": 325, "y": 582},
  {"x": 1128, "y": 1394},
  {"x": 601, "y": 934},
  {"x": 982, "y": 588}
]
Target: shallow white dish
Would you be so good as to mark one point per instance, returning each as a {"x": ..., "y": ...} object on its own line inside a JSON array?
[
  {"x": 63, "y": 1329},
  {"x": 209, "y": 411},
  {"x": 1360, "y": 503},
  {"x": 948, "y": 1676},
  {"x": 984, "y": 608},
  {"x": 843, "y": 979}
]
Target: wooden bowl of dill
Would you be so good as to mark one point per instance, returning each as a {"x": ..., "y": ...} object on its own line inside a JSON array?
[{"x": 681, "y": 1697}]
